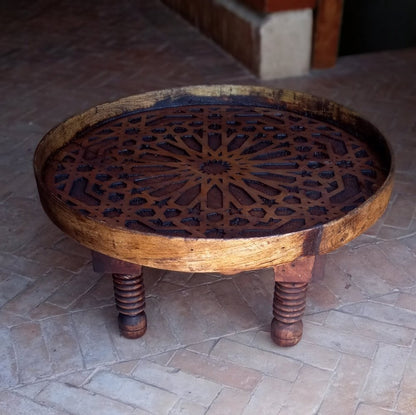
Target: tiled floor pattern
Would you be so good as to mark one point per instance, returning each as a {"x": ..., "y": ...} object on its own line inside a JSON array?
[{"x": 207, "y": 349}]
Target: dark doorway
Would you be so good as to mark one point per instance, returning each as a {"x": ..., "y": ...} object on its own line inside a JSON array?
[{"x": 374, "y": 25}]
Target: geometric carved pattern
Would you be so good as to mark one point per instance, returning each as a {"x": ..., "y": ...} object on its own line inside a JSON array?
[{"x": 214, "y": 171}]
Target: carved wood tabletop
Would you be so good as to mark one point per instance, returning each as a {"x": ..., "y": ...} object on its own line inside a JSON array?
[{"x": 219, "y": 178}]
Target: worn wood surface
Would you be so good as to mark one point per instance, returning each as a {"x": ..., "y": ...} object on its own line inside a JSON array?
[
  {"x": 299, "y": 270},
  {"x": 199, "y": 252}
]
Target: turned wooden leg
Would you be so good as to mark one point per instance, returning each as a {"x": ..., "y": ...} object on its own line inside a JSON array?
[
  {"x": 291, "y": 284},
  {"x": 128, "y": 292},
  {"x": 130, "y": 302},
  {"x": 288, "y": 307}
]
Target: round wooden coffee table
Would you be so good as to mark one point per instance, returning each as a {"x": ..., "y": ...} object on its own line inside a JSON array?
[{"x": 214, "y": 179}]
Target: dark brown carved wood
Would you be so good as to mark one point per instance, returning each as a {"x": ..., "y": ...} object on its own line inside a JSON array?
[
  {"x": 221, "y": 178},
  {"x": 130, "y": 301},
  {"x": 215, "y": 171}
]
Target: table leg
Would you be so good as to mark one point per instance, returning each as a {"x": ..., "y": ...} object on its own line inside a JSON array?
[
  {"x": 130, "y": 302},
  {"x": 291, "y": 284},
  {"x": 288, "y": 307},
  {"x": 128, "y": 293}
]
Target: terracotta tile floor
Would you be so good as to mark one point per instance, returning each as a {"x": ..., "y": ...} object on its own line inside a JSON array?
[{"x": 59, "y": 344}]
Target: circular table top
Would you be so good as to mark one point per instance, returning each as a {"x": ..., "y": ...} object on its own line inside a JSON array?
[{"x": 234, "y": 164}]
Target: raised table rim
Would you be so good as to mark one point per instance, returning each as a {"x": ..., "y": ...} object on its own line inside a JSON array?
[{"x": 209, "y": 254}]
